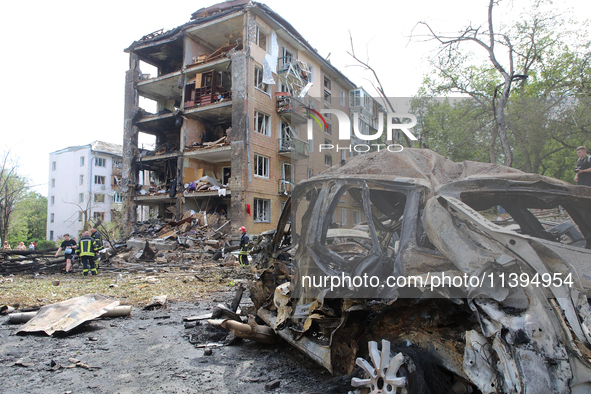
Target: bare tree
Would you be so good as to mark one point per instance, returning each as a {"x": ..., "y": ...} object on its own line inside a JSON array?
[
  {"x": 12, "y": 187},
  {"x": 380, "y": 88},
  {"x": 487, "y": 39}
]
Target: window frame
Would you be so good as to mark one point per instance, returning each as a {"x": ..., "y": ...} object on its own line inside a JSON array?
[
  {"x": 266, "y": 125},
  {"x": 100, "y": 162},
  {"x": 265, "y": 204},
  {"x": 265, "y": 165},
  {"x": 258, "y": 30},
  {"x": 101, "y": 180},
  {"x": 258, "y": 82},
  {"x": 98, "y": 215},
  {"x": 327, "y": 160}
]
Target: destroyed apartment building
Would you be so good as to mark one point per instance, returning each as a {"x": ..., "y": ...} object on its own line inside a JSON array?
[{"x": 231, "y": 89}]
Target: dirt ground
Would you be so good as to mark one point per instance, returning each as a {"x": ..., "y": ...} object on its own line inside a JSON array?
[{"x": 151, "y": 352}]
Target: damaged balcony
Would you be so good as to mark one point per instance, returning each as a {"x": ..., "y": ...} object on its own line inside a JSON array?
[
  {"x": 208, "y": 87},
  {"x": 293, "y": 148},
  {"x": 285, "y": 186},
  {"x": 157, "y": 178},
  {"x": 290, "y": 108},
  {"x": 213, "y": 152},
  {"x": 162, "y": 89},
  {"x": 295, "y": 75}
]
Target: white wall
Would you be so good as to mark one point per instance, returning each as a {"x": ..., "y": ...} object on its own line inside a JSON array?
[{"x": 67, "y": 189}]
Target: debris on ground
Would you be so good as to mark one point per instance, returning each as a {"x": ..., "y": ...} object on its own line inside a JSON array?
[{"x": 66, "y": 315}]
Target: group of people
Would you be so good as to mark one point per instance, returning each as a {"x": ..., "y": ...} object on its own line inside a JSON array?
[
  {"x": 87, "y": 249},
  {"x": 20, "y": 246}
]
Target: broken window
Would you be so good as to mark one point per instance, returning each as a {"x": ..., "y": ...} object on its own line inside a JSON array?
[
  {"x": 327, "y": 95},
  {"x": 287, "y": 57},
  {"x": 327, "y": 83},
  {"x": 99, "y": 180},
  {"x": 262, "y": 123},
  {"x": 262, "y": 210},
  {"x": 258, "y": 79},
  {"x": 99, "y": 197},
  {"x": 328, "y": 128},
  {"x": 260, "y": 38},
  {"x": 226, "y": 174},
  {"x": 310, "y": 73},
  {"x": 51, "y": 218},
  {"x": 261, "y": 166},
  {"x": 117, "y": 197},
  {"x": 80, "y": 216},
  {"x": 100, "y": 162},
  {"x": 357, "y": 216},
  {"x": 328, "y": 160},
  {"x": 98, "y": 215},
  {"x": 310, "y": 173},
  {"x": 541, "y": 214}
]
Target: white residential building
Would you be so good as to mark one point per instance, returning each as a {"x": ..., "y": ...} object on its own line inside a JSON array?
[{"x": 82, "y": 185}]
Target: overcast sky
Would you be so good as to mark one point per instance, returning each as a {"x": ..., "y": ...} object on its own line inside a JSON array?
[{"x": 63, "y": 65}]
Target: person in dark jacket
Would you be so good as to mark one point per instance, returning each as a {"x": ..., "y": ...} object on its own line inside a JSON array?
[
  {"x": 69, "y": 247},
  {"x": 98, "y": 240},
  {"x": 87, "y": 250},
  {"x": 243, "y": 254},
  {"x": 583, "y": 168}
]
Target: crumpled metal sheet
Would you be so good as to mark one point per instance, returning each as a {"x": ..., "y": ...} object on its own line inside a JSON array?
[{"x": 66, "y": 315}]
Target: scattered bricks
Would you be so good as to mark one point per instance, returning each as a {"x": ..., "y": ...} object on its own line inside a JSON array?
[{"x": 272, "y": 385}]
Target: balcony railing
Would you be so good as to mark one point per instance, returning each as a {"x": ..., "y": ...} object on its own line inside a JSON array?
[{"x": 294, "y": 146}]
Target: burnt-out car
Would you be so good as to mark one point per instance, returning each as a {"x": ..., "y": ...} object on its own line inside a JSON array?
[{"x": 434, "y": 295}]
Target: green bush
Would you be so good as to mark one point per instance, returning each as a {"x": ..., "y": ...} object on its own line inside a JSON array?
[{"x": 44, "y": 244}]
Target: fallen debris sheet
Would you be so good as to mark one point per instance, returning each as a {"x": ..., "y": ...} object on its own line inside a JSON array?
[
  {"x": 66, "y": 315},
  {"x": 23, "y": 317}
]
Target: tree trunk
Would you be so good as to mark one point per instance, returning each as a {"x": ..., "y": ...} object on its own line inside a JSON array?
[{"x": 502, "y": 124}]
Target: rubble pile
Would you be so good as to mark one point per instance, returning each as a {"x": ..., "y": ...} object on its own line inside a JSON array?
[{"x": 198, "y": 239}]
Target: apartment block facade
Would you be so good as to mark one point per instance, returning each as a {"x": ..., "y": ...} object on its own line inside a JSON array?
[
  {"x": 83, "y": 185},
  {"x": 234, "y": 90}
]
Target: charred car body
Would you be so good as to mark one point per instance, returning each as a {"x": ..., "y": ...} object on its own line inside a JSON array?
[{"x": 517, "y": 321}]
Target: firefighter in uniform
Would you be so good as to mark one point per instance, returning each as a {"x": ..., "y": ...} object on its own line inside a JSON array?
[
  {"x": 86, "y": 250},
  {"x": 243, "y": 254},
  {"x": 98, "y": 240}
]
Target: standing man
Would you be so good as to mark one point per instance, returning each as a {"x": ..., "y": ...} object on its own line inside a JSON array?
[
  {"x": 98, "y": 240},
  {"x": 243, "y": 254},
  {"x": 583, "y": 168},
  {"x": 86, "y": 250},
  {"x": 69, "y": 246}
]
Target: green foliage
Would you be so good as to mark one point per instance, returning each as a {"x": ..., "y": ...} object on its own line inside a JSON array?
[
  {"x": 548, "y": 108},
  {"x": 29, "y": 220},
  {"x": 44, "y": 244}
]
